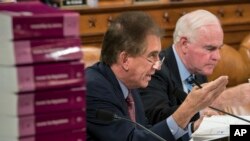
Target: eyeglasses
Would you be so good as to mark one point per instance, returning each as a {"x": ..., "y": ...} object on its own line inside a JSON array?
[{"x": 156, "y": 64}]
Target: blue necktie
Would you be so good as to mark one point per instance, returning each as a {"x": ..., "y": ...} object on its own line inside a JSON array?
[{"x": 190, "y": 82}]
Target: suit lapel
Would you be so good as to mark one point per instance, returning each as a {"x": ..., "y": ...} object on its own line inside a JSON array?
[
  {"x": 173, "y": 68},
  {"x": 108, "y": 73}
]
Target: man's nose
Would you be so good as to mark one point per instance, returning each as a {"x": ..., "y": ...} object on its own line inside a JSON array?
[
  {"x": 216, "y": 55},
  {"x": 157, "y": 64}
]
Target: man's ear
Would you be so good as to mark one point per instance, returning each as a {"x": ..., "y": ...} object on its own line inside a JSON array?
[
  {"x": 124, "y": 60},
  {"x": 184, "y": 44}
]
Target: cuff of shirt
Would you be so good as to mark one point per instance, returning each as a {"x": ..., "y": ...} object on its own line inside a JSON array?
[
  {"x": 174, "y": 128},
  {"x": 190, "y": 130}
]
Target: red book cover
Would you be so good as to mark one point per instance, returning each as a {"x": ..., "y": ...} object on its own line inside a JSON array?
[
  {"x": 40, "y": 51},
  {"x": 41, "y": 102},
  {"x": 26, "y": 20},
  {"x": 74, "y": 135},
  {"x": 42, "y": 77},
  {"x": 79, "y": 135},
  {"x": 24, "y": 126}
]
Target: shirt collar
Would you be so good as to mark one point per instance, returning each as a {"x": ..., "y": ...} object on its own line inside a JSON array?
[{"x": 124, "y": 89}]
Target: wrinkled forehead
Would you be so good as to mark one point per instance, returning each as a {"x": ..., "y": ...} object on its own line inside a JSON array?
[{"x": 211, "y": 35}]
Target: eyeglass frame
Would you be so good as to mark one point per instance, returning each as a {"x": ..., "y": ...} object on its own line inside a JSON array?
[{"x": 158, "y": 62}]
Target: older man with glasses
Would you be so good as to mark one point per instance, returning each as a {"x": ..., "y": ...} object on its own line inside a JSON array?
[{"x": 129, "y": 57}]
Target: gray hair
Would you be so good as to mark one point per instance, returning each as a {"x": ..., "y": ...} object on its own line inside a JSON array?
[{"x": 188, "y": 24}]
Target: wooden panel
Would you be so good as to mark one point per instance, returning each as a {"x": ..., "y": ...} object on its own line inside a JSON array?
[
  {"x": 114, "y": 2},
  {"x": 234, "y": 17},
  {"x": 94, "y": 24},
  {"x": 233, "y": 14}
]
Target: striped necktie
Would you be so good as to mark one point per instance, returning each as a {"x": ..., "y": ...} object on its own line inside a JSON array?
[{"x": 190, "y": 82}]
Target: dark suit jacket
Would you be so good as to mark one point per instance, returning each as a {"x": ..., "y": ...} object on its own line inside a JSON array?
[
  {"x": 165, "y": 92},
  {"x": 104, "y": 92}
]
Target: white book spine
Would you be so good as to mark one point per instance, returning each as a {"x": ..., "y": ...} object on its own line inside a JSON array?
[
  {"x": 9, "y": 127},
  {"x": 9, "y": 79},
  {"x": 6, "y": 27},
  {"x": 8, "y": 104},
  {"x": 7, "y": 53}
]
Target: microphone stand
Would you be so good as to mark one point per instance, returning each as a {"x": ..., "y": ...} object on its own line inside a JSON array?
[
  {"x": 150, "y": 132},
  {"x": 228, "y": 114},
  {"x": 109, "y": 116}
]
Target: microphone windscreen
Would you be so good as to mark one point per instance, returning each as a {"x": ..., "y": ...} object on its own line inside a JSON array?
[{"x": 104, "y": 115}]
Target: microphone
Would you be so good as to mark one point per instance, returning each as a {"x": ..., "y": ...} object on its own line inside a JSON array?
[
  {"x": 109, "y": 116},
  {"x": 218, "y": 110}
]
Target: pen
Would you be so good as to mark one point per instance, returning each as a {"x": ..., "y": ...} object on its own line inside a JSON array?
[{"x": 196, "y": 83}]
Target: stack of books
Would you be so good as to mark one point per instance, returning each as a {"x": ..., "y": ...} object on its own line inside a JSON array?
[{"x": 42, "y": 78}]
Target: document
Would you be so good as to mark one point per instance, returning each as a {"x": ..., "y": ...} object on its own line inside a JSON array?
[{"x": 216, "y": 127}]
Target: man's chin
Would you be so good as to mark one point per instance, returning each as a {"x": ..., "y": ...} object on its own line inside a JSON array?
[
  {"x": 209, "y": 70},
  {"x": 144, "y": 84},
  {"x": 207, "y": 73}
]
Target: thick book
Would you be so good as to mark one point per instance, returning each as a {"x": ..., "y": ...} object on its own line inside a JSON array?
[
  {"x": 26, "y": 20},
  {"x": 41, "y": 77},
  {"x": 24, "y": 126},
  {"x": 42, "y": 102},
  {"x": 75, "y": 135},
  {"x": 40, "y": 51}
]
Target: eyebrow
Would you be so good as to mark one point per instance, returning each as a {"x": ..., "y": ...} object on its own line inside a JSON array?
[
  {"x": 211, "y": 46},
  {"x": 153, "y": 53}
]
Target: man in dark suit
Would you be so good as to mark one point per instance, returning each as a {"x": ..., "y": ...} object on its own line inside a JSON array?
[
  {"x": 198, "y": 37},
  {"x": 129, "y": 56}
]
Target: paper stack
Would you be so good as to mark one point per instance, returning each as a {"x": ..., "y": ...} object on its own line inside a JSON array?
[
  {"x": 42, "y": 78},
  {"x": 216, "y": 127}
]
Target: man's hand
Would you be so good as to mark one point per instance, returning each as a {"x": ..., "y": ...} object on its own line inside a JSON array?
[{"x": 198, "y": 99}]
